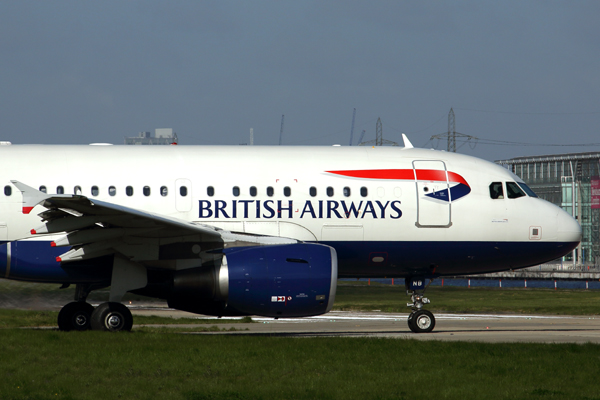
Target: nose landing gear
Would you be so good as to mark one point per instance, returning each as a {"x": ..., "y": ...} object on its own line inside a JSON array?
[{"x": 419, "y": 320}]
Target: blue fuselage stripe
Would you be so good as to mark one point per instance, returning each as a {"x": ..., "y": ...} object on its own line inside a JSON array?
[{"x": 36, "y": 260}]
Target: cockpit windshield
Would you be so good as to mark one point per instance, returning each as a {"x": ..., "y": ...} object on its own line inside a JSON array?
[
  {"x": 514, "y": 191},
  {"x": 527, "y": 189}
]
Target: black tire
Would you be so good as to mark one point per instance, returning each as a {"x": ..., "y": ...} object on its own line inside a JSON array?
[
  {"x": 421, "y": 321},
  {"x": 75, "y": 316},
  {"x": 113, "y": 317},
  {"x": 411, "y": 321}
]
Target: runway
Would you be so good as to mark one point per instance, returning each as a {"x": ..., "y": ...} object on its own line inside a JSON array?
[{"x": 449, "y": 327}]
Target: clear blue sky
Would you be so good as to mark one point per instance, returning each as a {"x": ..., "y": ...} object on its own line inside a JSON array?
[{"x": 84, "y": 71}]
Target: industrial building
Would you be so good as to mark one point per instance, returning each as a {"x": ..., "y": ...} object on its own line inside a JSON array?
[
  {"x": 160, "y": 136},
  {"x": 571, "y": 181}
]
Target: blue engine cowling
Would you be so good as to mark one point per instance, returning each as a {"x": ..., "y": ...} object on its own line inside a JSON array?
[{"x": 296, "y": 280}]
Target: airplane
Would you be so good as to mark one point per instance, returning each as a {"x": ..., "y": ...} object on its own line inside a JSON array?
[{"x": 261, "y": 230}]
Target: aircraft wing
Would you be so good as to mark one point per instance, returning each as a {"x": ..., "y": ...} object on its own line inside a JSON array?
[{"x": 95, "y": 228}]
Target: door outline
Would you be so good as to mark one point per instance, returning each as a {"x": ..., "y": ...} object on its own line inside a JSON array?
[{"x": 426, "y": 172}]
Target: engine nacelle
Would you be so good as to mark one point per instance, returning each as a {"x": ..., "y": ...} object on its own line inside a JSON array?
[{"x": 296, "y": 280}]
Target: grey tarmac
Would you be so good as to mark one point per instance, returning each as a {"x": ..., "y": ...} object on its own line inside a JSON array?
[{"x": 492, "y": 328}]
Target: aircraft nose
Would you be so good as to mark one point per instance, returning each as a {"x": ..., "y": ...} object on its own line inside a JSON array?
[{"x": 569, "y": 230}]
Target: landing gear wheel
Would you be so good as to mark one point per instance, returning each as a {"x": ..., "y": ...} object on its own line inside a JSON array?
[
  {"x": 114, "y": 317},
  {"x": 421, "y": 321},
  {"x": 75, "y": 316}
]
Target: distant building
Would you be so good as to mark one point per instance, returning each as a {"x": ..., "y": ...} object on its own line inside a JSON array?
[
  {"x": 161, "y": 136},
  {"x": 571, "y": 181}
]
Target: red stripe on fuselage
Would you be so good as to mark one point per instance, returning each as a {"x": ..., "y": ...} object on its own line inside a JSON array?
[{"x": 403, "y": 174}]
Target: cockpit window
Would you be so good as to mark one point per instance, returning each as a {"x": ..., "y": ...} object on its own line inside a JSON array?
[
  {"x": 527, "y": 190},
  {"x": 496, "y": 191},
  {"x": 514, "y": 191}
]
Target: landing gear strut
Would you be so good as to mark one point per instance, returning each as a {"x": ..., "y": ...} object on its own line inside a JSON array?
[{"x": 419, "y": 320}]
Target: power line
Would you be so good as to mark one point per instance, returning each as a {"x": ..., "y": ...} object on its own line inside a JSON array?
[
  {"x": 509, "y": 143},
  {"x": 451, "y": 135},
  {"x": 529, "y": 113}
]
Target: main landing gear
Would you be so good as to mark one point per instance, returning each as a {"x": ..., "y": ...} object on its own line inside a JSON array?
[
  {"x": 419, "y": 320},
  {"x": 81, "y": 316}
]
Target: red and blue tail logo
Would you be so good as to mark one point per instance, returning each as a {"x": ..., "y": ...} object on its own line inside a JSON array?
[{"x": 458, "y": 185}]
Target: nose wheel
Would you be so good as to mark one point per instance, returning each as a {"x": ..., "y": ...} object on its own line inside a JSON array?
[{"x": 419, "y": 320}]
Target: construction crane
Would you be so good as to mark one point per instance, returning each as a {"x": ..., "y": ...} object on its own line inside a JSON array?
[
  {"x": 362, "y": 136},
  {"x": 352, "y": 128},
  {"x": 281, "y": 130}
]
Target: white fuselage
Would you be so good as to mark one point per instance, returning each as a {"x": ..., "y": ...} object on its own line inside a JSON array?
[{"x": 363, "y": 201}]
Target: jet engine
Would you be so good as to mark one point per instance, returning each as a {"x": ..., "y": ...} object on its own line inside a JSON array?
[{"x": 295, "y": 280}]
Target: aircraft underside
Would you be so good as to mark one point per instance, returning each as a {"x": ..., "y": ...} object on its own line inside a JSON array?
[{"x": 298, "y": 280}]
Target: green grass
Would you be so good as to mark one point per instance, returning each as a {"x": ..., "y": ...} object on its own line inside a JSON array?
[
  {"x": 139, "y": 365},
  {"x": 151, "y": 362},
  {"x": 361, "y": 297},
  {"x": 32, "y": 318}
]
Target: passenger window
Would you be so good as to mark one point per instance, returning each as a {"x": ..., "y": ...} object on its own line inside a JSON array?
[
  {"x": 129, "y": 191},
  {"x": 287, "y": 192},
  {"x": 77, "y": 190},
  {"x": 346, "y": 191},
  {"x": 364, "y": 192},
  {"x": 313, "y": 191},
  {"x": 253, "y": 191},
  {"x": 330, "y": 191},
  {"x": 513, "y": 191},
  {"x": 183, "y": 191},
  {"x": 60, "y": 190},
  {"x": 43, "y": 189},
  {"x": 164, "y": 191},
  {"x": 236, "y": 191},
  {"x": 7, "y": 190},
  {"x": 95, "y": 191},
  {"x": 112, "y": 191},
  {"x": 496, "y": 191},
  {"x": 146, "y": 190},
  {"x": 270, "y": 191},
  {"x": 210, "y": 191}
]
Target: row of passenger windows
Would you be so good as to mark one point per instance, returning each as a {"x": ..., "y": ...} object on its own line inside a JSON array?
[
  {"x": 112, "y": 190},
  {"x": 514, "y": 190},
  {"x": 183, "y": 191},
  {"x": 287, "y": 191}
]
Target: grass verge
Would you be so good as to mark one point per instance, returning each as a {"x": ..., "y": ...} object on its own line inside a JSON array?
[
  {"x": 361, "y": 297},
  {"x": 139, "y": 365}
]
